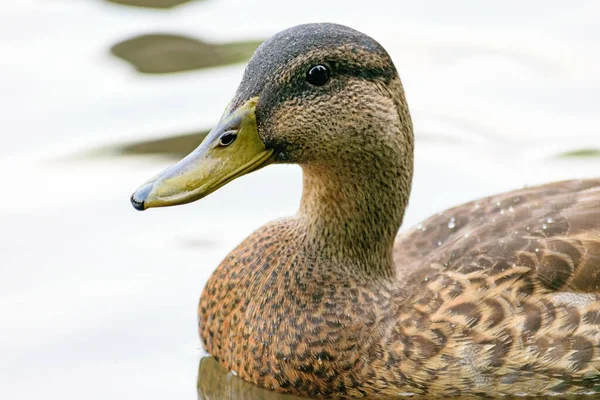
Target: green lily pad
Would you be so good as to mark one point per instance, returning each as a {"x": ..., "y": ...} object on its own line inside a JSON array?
[
  {"x": 172, "y": 147},
  {"x": 150, "y": 3},
  {"x": 581, "y": 153},
  {"x": 164, "y": 53}
]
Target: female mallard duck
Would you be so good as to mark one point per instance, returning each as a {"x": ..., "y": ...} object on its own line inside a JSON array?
[{"x": 330, "y": 302}]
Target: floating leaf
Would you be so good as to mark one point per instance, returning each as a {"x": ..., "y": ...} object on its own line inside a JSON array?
[
  {"x": 163, "y": 53},
  {"x": 150, "y": 3}
]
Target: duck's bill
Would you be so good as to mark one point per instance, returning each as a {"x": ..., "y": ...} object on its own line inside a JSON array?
[{"x": 232, "y": 149}]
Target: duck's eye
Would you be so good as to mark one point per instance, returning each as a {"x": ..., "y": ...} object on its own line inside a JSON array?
[
  {"x": 227, "y": 139},
  {"x": 318, "y": 75}
]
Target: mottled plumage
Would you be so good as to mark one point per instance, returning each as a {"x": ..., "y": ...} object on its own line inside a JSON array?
[
  {"x": 498, "y": 296},
  {"x": 505, "y": 300}
]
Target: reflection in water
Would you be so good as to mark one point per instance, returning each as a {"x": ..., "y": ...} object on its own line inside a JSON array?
[
  {"x": 582, "y": 153},
  {"x": 161, "y": 53},
  {"x": 172, "y": 147},
  {"x": 216, "y": 383},
  {"x": 150, "y": 3}
]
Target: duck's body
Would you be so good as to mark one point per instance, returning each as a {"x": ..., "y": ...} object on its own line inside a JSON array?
[
  {"x": 499, "y": 296},
  {"x": 505, "y": 301}
]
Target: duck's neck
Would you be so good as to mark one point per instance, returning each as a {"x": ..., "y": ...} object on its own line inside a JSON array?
[{"x": 353, "y": 210}]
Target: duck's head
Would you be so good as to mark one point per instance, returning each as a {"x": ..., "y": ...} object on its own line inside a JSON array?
[{"x": 316, "y": 94}]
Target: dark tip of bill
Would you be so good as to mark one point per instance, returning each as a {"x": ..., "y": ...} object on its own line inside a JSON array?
[
  {"x": 138, "y": 199},
  {"x": 138, "y": 205}
]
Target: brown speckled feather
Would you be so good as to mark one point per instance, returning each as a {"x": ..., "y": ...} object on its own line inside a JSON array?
[
  {"x": 518, "y": 275},
  {"x": 494, "y": 308},
  {"x": 553, "y": 229}
]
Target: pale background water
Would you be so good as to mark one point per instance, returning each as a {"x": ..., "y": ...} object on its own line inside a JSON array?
[{"x": 99, "y": 301}]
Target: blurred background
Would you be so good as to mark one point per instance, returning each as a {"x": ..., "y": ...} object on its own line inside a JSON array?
[{"x": 99, "y": 301}]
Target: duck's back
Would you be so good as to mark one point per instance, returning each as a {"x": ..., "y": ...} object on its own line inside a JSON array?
[{"x": 509, "y": 288}]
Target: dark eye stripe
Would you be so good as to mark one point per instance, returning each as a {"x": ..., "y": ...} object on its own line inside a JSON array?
[{"x": 296, "y": 86}]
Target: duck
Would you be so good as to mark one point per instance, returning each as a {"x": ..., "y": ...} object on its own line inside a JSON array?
[{"x": 333, "y": 302}]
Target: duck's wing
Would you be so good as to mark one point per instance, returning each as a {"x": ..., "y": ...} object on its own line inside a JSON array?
[
  {"x": 507, "y": 292},
  {"x": 552, "y": 229}
]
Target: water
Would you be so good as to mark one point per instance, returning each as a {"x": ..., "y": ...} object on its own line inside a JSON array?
[{"x": 99, "y": 301}]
